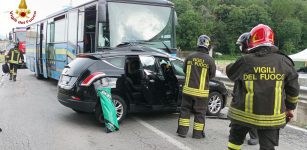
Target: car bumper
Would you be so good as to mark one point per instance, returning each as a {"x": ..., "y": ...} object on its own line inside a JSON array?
[{"x": 76, "y": 104}]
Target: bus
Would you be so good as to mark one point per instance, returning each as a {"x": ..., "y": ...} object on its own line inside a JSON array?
[
  {"x": 95, "y": 26},
  {"x": 19, "y": 35}
]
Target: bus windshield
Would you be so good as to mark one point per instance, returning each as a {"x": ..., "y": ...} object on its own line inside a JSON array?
[
  {"x": 21, "y": 36},
  {"x": 135, "y": 22}
]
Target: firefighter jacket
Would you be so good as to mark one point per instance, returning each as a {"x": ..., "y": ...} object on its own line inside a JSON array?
[
  {"x": 266, "y": 84},
  {"x": 199, "y": 68},
  {"x": 13, "y": 56}
]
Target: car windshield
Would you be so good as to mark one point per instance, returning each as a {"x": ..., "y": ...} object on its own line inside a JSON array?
[
  {"x": 178, "y": 66},
  {"x": 135, "y": 22}
]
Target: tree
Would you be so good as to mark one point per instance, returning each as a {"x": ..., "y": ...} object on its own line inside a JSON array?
[
  {"x": 254, "y": 15},
  {"x": 190, "y": 27},
  {"x": 225, "y": 20},
  {"x": 282, "y": 9},
  {"x": 289, "y": 47},
  {"x": 182, "y": 6},
  {"x": 289, "y": 32}
]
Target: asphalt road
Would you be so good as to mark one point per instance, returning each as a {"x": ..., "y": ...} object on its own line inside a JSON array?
[{"x": 32, "y": 119}]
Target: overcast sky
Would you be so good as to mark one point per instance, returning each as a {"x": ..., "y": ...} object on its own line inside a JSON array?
[{"x": 42, "y": 8}]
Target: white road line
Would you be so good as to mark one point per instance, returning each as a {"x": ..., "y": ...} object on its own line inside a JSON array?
[
  {"x": 297, "y": 128},
  {"x": 303, "y": 101},
  {"x": 163, "y": 135}
]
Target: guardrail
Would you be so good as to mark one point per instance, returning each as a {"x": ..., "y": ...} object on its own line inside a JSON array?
[{"x": 229, "y": 84}]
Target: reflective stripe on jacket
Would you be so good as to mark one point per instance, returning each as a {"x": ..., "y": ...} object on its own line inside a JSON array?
[
  {"x": 199, "y": 68},
  {"x": 266, "y": 84},
  {"x": 14, "y": 56}
]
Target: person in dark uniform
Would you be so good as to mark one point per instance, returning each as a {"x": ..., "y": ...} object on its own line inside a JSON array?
[
  {"x": 266, "y": 91},
  {"x": 13, "y": 57},
  {"x": 199, "y": 68},
  {"x": 243, "y": 44}
]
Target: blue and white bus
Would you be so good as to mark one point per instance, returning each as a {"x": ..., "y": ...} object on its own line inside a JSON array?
[{"x": 55, "y": 41}]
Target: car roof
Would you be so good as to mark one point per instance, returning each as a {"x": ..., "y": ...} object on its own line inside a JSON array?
[{"x": 128, "y": 50}]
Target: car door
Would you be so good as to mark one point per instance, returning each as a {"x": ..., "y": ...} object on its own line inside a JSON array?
[
  {"x": 178, "y": 69},
  {"x": 170, "y": 86},
  {"x": 154, "y": 80}
]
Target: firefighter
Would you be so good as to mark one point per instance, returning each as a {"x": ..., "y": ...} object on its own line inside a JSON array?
[
  {"x": 13, "y": 57},
  {"x": 243, "y": 45},
  {"x": 266, "y": 91},
  {"x": 199, "y": 68}
]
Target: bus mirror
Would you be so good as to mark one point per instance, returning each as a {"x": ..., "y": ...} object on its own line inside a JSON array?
[
  {"x": 10, "y": 37},
  {"x": 176, "y": 19}
]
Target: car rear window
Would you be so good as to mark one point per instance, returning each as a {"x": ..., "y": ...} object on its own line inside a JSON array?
[
  {"x": 76, "y": 63},
  {"x": 118, "y": 62}
]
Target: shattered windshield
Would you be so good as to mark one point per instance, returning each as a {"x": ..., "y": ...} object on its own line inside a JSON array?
[{"x": 135, "y": 22}]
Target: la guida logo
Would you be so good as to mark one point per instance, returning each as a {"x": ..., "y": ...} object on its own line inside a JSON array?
[{"x": 22, "y": 15}]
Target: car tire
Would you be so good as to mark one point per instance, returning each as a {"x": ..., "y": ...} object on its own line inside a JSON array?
[
  {"x": 120, "y": 106},
  {"x": 215, "y": 104}
]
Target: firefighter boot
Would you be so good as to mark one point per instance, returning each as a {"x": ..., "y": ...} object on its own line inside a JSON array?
[
  {"x": 14, "y": 78},
  {"x": 10, "y": 76},
  {"x": 198, "y": 130},
  {"x": 183, "y": 127}
]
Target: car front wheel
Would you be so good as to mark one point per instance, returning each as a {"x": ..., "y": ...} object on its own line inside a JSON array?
[
  {"x": 215, "y": 103},
  {"x": 120, "y": 107}
]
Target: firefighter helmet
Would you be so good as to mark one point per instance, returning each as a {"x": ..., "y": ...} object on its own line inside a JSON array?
[
  {"x": 261, "y": 35},
  {"x": 203, "y": 42},
  {"x": 243, "y": 42}
]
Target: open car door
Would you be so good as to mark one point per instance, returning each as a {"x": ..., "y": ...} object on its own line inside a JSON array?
[{"x": 161, "y": 80}]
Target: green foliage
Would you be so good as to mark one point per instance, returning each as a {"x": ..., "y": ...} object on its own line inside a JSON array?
[
  {"x": 182, "y": 6},
  {"x": 288, "y": 47},
  {"x": 289, "y": 30},
  {"x": 225, "y": 20},
  {"x": 227, "y": 57},
  {"x": 190, "y": 28}
]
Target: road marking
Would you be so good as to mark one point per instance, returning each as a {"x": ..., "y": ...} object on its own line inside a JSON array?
[
  {"x": 297, "y": 128},
  {"x": 303, "y": 101},
  {"x": 163, "y": 135}
]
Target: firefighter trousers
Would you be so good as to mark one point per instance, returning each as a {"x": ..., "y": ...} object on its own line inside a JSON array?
[
  {"x": 13, "y": 71},
  {"x": 268, "y": 138},
  {"x": 197, "y": 105},
  {"x": 253, "y": 134}
]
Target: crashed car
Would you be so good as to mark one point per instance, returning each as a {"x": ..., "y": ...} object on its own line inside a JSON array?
[{"x": 142, "y": 80}]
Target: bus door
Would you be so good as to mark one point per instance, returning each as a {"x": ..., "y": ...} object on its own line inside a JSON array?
[
  {"x": 72, "y": 46},
  {"x": 90, "y": 21},
  {"x": 39, "y": 64},
  {"x": 43, "y": 43},
  {"x": 80, "y": 45}
]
